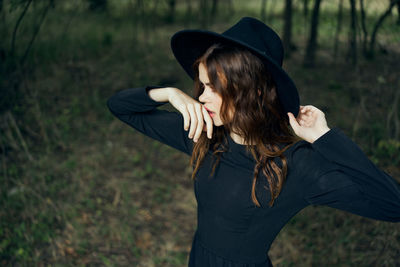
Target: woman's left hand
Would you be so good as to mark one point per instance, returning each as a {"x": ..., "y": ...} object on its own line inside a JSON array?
[{"x": 310, "y": 123}]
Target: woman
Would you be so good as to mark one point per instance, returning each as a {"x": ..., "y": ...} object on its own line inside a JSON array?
[{"x": 251, "y": 172}]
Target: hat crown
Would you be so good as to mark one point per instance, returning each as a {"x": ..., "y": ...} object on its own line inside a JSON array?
[{"x": 259, "y": 36}]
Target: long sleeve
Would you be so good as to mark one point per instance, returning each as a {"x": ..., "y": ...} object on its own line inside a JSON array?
[
  {"x": 135, "y": 107},
  {"x": 351, "y": 181}
]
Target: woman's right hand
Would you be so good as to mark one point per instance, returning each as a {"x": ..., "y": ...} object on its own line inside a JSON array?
[{"x": 193, "y": 112}]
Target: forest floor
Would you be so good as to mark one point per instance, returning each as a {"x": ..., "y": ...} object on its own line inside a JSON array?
[{"x": 98, "y": 193}]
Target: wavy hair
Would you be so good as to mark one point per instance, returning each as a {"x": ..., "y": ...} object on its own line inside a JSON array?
[{"x": 244, "y": 83}]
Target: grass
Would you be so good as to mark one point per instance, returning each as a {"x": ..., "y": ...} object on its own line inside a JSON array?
[{"x": 100, "y": 193}]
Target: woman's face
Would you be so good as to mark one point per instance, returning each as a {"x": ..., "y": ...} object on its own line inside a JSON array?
[{"x": 210, "y": 99}]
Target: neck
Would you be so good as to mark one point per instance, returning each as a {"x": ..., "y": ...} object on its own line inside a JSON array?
[{"x": 237, "y": 138}]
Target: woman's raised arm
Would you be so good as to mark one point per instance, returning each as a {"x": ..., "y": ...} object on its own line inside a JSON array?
[
  {"x": 350, "y": 181},
  {"x": 342, "y": 176},
  {"x": 136, "y": 108}
]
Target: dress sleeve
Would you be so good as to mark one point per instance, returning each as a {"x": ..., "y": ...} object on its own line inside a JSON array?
[
  {"x": 349, "y": 181},
  {"x": 135, "y": 107}
]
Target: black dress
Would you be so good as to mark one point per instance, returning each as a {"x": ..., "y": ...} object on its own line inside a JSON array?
[{"x": 231, "y": 230}]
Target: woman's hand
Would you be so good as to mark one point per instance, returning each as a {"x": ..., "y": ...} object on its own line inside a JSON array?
[
  {"x": 310, "y": 123},
  {"x": 193, "y": 112}
]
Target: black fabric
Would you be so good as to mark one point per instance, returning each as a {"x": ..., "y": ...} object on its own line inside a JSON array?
[{"x": 231, "y": 230}]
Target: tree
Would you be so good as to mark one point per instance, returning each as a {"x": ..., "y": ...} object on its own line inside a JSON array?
[
  {"x": 14, "y": 68},
  {"x": 214, "y": 8},
  {"x": 287, "y": 31},
  {"x": 305, "y": 8},
  {"x": 352, "y": 53},
  {"x": 99, "y": 5},
  {"x": 364, "y": 28},
  {"x": 338, "y": 29},
  {"x": 171, "y": 10},
  {"x": 263, "y": 9},
  {"x": 398, "y": 13},
  {"x": 203, "y": 13},
  {"x": 378, "y": 24},
  {"x": 309, "y": 59}
]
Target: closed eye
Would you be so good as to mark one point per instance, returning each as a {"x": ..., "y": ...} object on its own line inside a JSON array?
[{"x": 209, "y": 85}]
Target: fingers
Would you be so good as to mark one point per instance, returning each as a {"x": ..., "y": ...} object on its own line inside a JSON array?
[
  {"x": 309, "y": 109},
  {"x": 209, "y": 122},
  {"x": 193, "y": 120},
  {"x": 186, "y": 119},
  {"x": 200, "y": 122},
  {"x": 292, "y": 120},
  {"x": 195, "y": 116},
  {"x": 309, "y": 115}
]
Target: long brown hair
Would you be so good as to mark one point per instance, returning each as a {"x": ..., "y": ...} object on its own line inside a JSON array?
[{"x": 245, "y": 85}]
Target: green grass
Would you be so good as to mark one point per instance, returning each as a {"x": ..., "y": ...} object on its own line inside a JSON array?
[{"x": 100, "y": 193}]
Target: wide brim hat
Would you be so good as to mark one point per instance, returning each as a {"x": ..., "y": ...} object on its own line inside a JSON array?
[{"x": 249, "y": 33}]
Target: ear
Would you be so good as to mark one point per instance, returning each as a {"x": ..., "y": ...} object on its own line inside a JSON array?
[{"x": 259, "y": 92}]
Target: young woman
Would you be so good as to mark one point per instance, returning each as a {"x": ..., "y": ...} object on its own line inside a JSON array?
[{"x": 258, "y": 156}]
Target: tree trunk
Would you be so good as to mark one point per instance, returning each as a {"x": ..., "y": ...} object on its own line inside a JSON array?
[
  {"x": 231, "y": 7},
  {"x": 287, "y": 31},
  {"x": 338, "y": 29},
  {"x": 155, "y": 7},
  {"x": 171, "y": 11},
  {"x": 36, "y": 32},
  {"x": 309, "y": 59},
  {"x": 14, "y": 36},
  {"x": 263, "y": 10},
  {"x": 188, "y": 15},
  {"x": 203, "y": 13},
  {"x": 305, "y": 8},
  {"x": 398, "y": 13},
  {"x": 364, "y": 28},
  {"x": 214, "y": 8},
  {"x": 352, "y": 53},
  {"x": 378, "y": 24}
]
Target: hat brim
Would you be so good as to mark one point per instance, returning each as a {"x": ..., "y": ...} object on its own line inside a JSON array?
[{"x": 188, "y": 45}]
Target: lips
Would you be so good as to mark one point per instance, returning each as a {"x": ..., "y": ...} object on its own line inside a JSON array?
[{"x": 210, "y": 112}]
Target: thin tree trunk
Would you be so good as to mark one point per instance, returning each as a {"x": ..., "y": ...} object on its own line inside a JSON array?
[
  {"x": 188, "y": 7},
  {"x": 3, "y": 32},
  {"x": 378, "y": 24},
  {"x": 188, "y": 14},
  {"x": 171, "y": 11},
  {"x": 338, "y": 30},
  {"x": 37, "y": 29},
  {"x": 287, "y": 32},
  {"x": 364, "y": 28},
  {"x": 231, "y": 7},
  {"x": 272, "y": 10},
  {"x": 309, "y": 59},
  {"x": 352, "y": 53},
  {"x": 263, "y": 10},
  {"x": 14, "y": 36},
  {"x": 305, "y": 8},
  {"x": 203, "y": 13},
  {"x": 398, "y": 13},
  {"x": 214, "y": 8},
  {"x": 155, "y": 6}
]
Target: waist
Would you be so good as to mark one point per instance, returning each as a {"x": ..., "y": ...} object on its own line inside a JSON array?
[{"x": 233, "y": 246}]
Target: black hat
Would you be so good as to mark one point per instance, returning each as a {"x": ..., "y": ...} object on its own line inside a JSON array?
[{"x": 249, "y": 33}]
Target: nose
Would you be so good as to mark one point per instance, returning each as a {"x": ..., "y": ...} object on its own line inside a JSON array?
[{"x": 204, "y": 96}]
